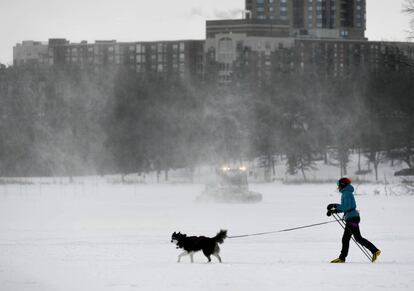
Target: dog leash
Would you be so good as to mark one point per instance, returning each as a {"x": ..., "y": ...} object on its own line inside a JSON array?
[{"x": 282, "y": 230}]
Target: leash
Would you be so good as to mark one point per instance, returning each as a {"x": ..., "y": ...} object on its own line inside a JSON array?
[{"x": 282, "y": 230}]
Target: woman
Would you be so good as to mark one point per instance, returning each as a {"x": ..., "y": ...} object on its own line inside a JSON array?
[{"x": 352, "y": 219}]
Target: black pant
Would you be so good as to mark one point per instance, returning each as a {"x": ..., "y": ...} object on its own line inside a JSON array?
[{"x": 352, "y": 228}]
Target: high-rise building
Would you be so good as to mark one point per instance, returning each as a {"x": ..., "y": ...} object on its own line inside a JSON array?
[
  {"x": 269, "y": 9},
  {"x": 316, "y": 18}
]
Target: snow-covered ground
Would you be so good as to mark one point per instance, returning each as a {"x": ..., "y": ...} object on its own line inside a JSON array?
[{"x": 99, "y": 236}]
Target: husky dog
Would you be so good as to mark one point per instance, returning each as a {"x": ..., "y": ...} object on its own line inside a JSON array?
[{"x": 192, "y": 244}]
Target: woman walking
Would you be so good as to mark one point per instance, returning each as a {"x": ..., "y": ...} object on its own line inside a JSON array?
[{"x": 352, "y": 219}]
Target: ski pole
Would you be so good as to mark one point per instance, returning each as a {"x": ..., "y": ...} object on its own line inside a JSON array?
[
  {"x": 362, "y": 248},
  {"x": 343, "y": 225}
]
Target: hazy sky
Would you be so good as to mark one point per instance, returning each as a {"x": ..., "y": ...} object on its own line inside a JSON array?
[{"x": 134, "y": 20}]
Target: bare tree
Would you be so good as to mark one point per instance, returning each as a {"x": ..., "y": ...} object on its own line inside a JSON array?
[{"x": 408, "y": 8}]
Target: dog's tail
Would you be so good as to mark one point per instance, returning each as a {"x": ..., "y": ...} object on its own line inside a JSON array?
[{"x": 221, "y": 235}]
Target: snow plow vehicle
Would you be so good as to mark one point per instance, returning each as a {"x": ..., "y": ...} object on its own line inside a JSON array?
[{"x": 230, "y": 186}]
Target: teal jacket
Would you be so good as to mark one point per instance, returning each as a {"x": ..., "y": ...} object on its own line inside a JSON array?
[{"x": 348, "y": 204}]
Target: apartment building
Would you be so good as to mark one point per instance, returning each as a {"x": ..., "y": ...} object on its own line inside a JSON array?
[
  {"x": 183, "y": 58},
  {"x": 315, "y": 18},
  {"x": 326, "y": 37},
  {"x": 30, "y": 51}
]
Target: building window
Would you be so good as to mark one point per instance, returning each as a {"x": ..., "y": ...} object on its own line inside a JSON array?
[{"x": 226, "y": 50}]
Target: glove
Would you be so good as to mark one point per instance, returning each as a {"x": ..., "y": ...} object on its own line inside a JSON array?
[
  {"x": 331, "y": 211},
  {"x": 332, "y": 206}
]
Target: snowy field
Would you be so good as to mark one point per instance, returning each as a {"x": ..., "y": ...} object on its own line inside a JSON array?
[{"x": 101, "y": 236}]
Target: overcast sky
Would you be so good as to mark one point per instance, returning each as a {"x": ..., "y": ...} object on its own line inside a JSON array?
[{"x": 135, "y": 20}]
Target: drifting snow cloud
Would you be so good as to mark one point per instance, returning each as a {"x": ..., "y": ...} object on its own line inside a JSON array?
[
  {"x": 228, "y": 14},
  {"x": 202, "y": 12}
]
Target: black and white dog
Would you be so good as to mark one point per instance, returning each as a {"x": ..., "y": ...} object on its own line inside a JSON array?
[{"x": 192, "y": 244}]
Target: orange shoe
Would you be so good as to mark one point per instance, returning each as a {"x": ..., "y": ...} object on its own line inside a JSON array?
[
  {"x": 338, "y": 260},
  {"x": 375, "y": 255}
]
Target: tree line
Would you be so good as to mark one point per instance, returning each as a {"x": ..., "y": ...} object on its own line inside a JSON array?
[{"x": 72, "y": 121}]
